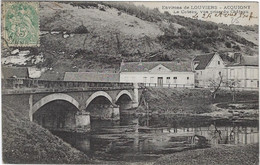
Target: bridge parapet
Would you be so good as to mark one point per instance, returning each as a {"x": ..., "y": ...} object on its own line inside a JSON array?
[{"x": 36, "y": 85}]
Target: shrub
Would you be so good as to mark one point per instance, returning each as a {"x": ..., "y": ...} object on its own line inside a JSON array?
[
  {"x": 228, "y": 44},
  {"x": 81, "y": 30}
]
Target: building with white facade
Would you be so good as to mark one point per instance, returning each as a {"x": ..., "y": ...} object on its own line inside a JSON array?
[
  {"x": 208, "y": 67},
  {"x": 244, "y": 72},
  {"x": 165, "y": 74}
]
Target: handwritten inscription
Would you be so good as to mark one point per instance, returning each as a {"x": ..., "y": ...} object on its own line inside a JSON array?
[{"x": 234, "y": 16}]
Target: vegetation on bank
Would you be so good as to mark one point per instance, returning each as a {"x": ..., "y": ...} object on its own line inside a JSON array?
[
  {"x": 193, "y": 101},
  {"x": 232, "y": 155},
  {"x": 25, "y": 142}
]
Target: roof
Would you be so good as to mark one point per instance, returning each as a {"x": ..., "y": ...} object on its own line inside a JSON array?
[
  {"x": 91, "y": 77},
  {"x": 180, "y": 66},
  {"x": 107, "y": 70},
  {"x": 51, "y": 76},
  {"x": 203, "y": 60},
  {"x": 250, "y": 60},
  {"x": 18, "y": 72},
  {"x": 247, "y": 61}
]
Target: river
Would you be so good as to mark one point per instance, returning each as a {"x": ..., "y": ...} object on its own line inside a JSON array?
[{"x": 137, "y": 138}]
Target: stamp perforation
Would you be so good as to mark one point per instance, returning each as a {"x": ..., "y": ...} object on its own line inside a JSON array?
[{"x": 35, "y": 43}]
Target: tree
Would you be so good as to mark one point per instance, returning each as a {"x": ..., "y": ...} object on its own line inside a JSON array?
[
  {"x": 215, "y": 85},
  {"x": 232, "y": 85}
]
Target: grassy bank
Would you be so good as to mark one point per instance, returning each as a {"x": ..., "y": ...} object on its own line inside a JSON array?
[
  {"x": 26, "y": 142},
  {"x": 195, "y": 101},
  {"x": 220, "y": 155}
]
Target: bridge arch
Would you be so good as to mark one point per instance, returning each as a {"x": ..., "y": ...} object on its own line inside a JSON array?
[
  {"x": 122, "y": 93},
  {"x": 97, "y": 94},
  {"x": 53, "y": 97}
]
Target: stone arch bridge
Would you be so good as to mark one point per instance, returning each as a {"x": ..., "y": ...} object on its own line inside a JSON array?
[{"x": 67, "y": 104}]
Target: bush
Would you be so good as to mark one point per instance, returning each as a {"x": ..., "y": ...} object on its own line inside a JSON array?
[
  {"x": 228, "y": 44},
  {"x": 237, "y": 47},
  {"x": 81, "y": 30}
]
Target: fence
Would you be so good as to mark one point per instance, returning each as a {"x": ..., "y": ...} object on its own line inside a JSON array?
[
  {"x": 169, "y": 85},
  {"x": 233, "y": 88},
  {"x": 193, "y": 86}
]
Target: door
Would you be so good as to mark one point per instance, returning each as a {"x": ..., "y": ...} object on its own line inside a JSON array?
[{"x": 160, "y": 81}]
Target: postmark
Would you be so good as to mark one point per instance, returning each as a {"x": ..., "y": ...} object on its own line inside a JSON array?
[{"x": 21, "y": 24}]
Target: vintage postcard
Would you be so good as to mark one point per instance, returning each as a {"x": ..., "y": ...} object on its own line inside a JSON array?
[{"x": 130, "y": 82}]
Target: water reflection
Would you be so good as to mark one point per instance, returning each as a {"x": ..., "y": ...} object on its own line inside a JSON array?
[
  {"x": 132, "y": 139},
  {"x": 229, "y": 135}
]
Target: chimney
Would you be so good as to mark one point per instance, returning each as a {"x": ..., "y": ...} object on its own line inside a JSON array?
[{"x": 237, "y": 57}]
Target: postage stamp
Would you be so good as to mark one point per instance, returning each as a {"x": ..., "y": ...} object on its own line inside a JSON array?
[{"x": 21, "y": 24}]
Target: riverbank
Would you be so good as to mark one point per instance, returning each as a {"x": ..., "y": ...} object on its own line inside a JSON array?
[
  {"x": 247, "y": 154},
  {"x": 25, "y": 142},
  {"x": 190, "y": 101}
]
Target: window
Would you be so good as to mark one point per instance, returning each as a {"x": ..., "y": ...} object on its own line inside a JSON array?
[
  {"x": 175, "y": 79},
  {"x": 188, "y": 78},
  {"x": 232, "y": 73},
  {"x": 218, "y": 62},
  {"x": 219, "y": 73},
  {"x": 160, "y": 81},
  {"x": 200, "y": 72},
  {"x": 152, "y": 80},
  {"x": 168, "y": 80},
  {"x": 145, "y": 78}
]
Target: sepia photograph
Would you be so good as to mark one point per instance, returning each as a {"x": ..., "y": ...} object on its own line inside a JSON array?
[{"x": 130, "y": 82}]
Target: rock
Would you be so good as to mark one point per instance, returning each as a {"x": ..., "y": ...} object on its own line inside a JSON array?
[
  {"x": 44, "y": 32},
  {"x": 55, "y": 32},
  {"x": 15, "y": 51},
  {"x": 66, "y": 35},
  {"x": 24, "y": 53}
]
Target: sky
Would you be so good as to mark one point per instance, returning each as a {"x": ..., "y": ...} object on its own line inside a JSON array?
[{"x": 238, "y": 13}]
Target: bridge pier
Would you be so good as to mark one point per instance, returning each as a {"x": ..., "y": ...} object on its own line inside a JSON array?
[
  {"x": 104, "y": 112},
  {"x": 82, "y": 119},
  {"x": 136, "y": 96},
  {"x": 115, "y": 113},
  {"x": 128, "y": 105}
]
